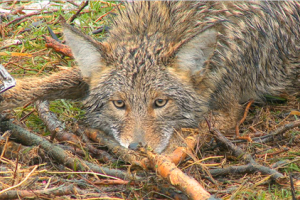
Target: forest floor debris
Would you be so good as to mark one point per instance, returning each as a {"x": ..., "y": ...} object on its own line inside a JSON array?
[{"x": 45, "y": 153}]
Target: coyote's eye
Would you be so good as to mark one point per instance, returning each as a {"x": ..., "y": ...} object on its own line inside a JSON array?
[
  {"x": 119, "y": 103},
  {"x": 160, "y": 102}
]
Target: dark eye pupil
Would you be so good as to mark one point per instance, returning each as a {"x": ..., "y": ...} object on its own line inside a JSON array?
[
  {"x": 160, "y": 102},
  {"x": 119, "y": 103}
]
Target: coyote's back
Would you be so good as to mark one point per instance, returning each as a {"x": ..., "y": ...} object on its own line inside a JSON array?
[{"x": 166, "y": 65}]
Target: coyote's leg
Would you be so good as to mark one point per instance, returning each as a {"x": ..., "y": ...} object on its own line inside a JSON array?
[{"x": 66, "y": 84}]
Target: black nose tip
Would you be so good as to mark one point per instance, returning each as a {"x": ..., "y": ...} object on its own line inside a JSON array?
[{"x": 133, "y": 146}]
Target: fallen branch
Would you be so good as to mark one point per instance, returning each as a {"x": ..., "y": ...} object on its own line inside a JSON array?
[
  {"x": 50, "y": 193},
  {"x": 270, "y": 137},
  {"x": 280, "y": 130},
  {"x": 180, "y": 153},
  {"x": 237, "y": 151},
  {"x": 176, "y": 177},
  {"x": 53, "y": 124},
  {"x": 244, "y": 169},
  {"x": 30, "y": 139},
  {"x": 113, "y": 182},
  {"x": 272, "y": 154},
  {"x": 29, "y": 15},
  {"x": 164, "y": 165},
  {"x": 84, "y": 4},
  {"x": 252, "y": 165},
  {"x": 125, "y": 154}
]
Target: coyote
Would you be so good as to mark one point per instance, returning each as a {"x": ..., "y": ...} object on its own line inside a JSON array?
[{"x": 167, "y": 65}]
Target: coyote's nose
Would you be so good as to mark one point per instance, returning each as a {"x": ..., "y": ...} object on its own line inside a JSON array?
[{"x": 133, "y": 146}]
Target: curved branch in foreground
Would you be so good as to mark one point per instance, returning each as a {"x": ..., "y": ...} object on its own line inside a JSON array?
[
  {"x": 58, "y": 131},
  {"x": 179, "y": 154},
  {"x": 27, "y": 138},
  {"x": 53, "y": 124}
]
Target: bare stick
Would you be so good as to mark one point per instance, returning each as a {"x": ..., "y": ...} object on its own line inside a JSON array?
[
  {"x": 53, "y": 124},
  {"x": 29, "y": 15},
  {"x": 77, "y": 13},
  {"x": 176, "y": 177},
  {"x": 30, "y": 139},
  {"x": 244, "y": 169},
  {"x": 238, "y": 152},
  {"x": 57, "y": 191},
  {"x": 164, "y": 165},
  {"x": 280, "y": 130}
]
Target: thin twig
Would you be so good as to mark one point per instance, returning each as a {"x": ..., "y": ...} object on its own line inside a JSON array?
[
  {"x": 17, "y": 164},
  {"x": 30, "y": 139},
  {"x": 292, "y": 188},
  {"x": 270, "y": 137},
  {"x": 27, "y": 115},
  {"x": 53, "y": 124},
  {"x": 50, "y": 193},
  {"x": 252, "y": 165},
  {"x": 237, "y": 129},
  {"x": 19, "y": 184},
  {"x": 101, "y": 17},
  {"x": 84, "y": 4},
  {"x": 29, "y": 15}
]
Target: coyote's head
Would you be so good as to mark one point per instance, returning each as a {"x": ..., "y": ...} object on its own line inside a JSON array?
[{"x": 141, "y": 84}]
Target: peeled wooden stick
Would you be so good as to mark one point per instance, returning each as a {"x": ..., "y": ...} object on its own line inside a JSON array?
[
  {"x": 168, "y": 170},
  {"x": 180, "y": 153},
  {"x": 165, "y": 165}
]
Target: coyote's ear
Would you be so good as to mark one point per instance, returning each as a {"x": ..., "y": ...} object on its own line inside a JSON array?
[
  {"x": 87, "y": 52},
  {"x": 192, "y": 55}
]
